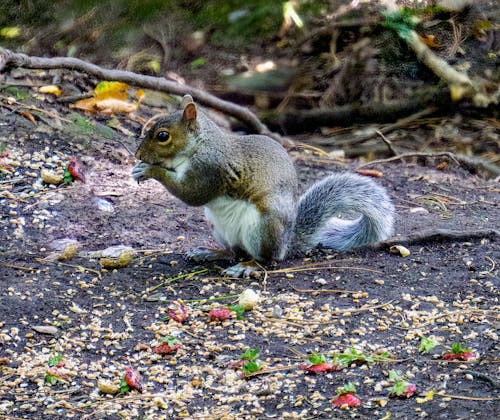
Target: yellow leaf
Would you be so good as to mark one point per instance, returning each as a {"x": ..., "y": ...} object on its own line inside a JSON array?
[
  {"x": 53, "y": 89},
  {"x": 457, "y": 92},
  {"x": 117, "y": 90},
  {"x": 400, "y": 249},
  {"x": 10, "y": 32},
  {"x": 110, "y": 98},
  {"x": 155, "y": 66},
  {"x": 429, "y": 396},
  {"x": 140, "y": 94}
]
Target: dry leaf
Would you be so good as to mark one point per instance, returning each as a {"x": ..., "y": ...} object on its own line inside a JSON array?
[
  {"x": 442, "y": 166},
  {"x": 400, "y": 249},
  {"x": 110, "y": 98},
  {"x": 428, "y": 397},
  {"x": 52, "y": 89},
  {"x": 45, "y": 329},
  {"x": 370, "y": 172},
  {"x": 429, "y": 40},
  {"x": 28, "y": 116}
]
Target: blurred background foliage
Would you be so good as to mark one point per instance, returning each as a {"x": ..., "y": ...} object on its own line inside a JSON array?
[{"x": 69, "y": 26}]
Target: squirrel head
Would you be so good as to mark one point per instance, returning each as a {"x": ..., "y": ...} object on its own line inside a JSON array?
[{"x": 169, "y": 135}]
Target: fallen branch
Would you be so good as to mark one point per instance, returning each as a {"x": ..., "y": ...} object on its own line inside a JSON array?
[
  {"x": 476, "y": 163},
  {"x": 10, "y": 58},
  {"x": 420, "y": 104},
  {"x": 439, "y": 235}
]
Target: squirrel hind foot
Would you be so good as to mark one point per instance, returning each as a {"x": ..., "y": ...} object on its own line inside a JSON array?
[
  {"x": 202, "y": 254},
  {"x": 246, "y": 269}
]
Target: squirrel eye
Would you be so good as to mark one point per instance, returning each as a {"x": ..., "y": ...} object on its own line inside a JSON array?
[{"x": 162, "y": 136}]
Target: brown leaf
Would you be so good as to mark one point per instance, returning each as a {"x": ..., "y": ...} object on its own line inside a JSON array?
[
  {"x": 28, "y": 116},
  {"x": 370, "y": 172},
  {"x": 430, "y": 41}
]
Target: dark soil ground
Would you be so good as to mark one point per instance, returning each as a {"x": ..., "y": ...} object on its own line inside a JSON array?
[
  {"x": 108, "y": 319},
  {"x": 69, "y": 322}
]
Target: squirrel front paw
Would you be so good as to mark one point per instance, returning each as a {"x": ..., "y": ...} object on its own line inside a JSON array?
[{"x": 139, "y": 171}]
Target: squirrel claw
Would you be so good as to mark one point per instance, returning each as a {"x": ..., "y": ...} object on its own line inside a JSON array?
[
  {"x": 244, "y": 269},
  {"x": 139, "y": 172}
]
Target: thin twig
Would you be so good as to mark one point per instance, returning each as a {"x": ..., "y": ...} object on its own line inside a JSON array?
[
  {"x": 465, "y": 397},
  {"x": 8, "y": 57},
  {"x": 352, "y": 292},
  {"x": 270, "y": 370},
  {"x": 17, "y": 267},
  {"x": 388, "y": 142},
  {"x": 412, "y": 154}
]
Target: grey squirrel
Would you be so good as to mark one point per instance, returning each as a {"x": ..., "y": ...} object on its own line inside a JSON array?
[{"x": 248, "y": 187}]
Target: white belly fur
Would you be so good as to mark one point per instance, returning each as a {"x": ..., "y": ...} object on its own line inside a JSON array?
[{"x": 233, "y": 221}]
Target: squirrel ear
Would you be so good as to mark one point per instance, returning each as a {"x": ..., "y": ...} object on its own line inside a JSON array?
[
  {"x": 189, "y": 115},
  {"x": 186, "y": 99}
]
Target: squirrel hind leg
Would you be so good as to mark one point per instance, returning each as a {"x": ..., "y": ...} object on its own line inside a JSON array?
[
  {"x": 201, "y": 254},
  {"x": 244, "y": 269}
]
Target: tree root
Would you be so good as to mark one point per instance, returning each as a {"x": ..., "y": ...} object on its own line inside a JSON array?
[
  {"x": 439, "y": 235},
  {"x": 10, "y": 58}
]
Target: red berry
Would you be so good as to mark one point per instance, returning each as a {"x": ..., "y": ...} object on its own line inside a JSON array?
[
  {"x": 463, "y": 356},
  {"x": 75, "y": 170},
  {"x": 166, "y": 349},
  {"x": 219, "y": 314},
  {"x": 319, "y": 367},
  {"x": 346, "y": 400},
  {"x": 132, "y": 379},
  {"x": 410, "y": 390}
]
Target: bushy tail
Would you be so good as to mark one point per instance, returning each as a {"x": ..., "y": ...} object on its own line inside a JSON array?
[{"x": 343, "y": 195}]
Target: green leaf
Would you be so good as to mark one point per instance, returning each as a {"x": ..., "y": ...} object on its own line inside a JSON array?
[
  {"x": 198, "y": 62},
  {"x": 402, "y": 22},
  {"x": 170, "y": 340},
  {"x": 124, "y": 387},
  {"x": 10, "y": 31},
  {"x": 457, "y": 348},
  {"x": 426, "y": 345},
  {"x": 399, "y": 388},
  {"x": 250, "y": 354},
  {"x": 51, "y": 379},
  {"x": 19, "y": 93},
  {"x": 67, "y": 177},
  {"x": 348, "y": 388},
  {"x": 239, "y": 310},
  {"x": 250, "y": 367},
  {"x": 316, "y": 359},
  {"x": 352, "y": 355},
  {"x": 55, "y": 359},
  {"x": 394, "y": 375}
]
